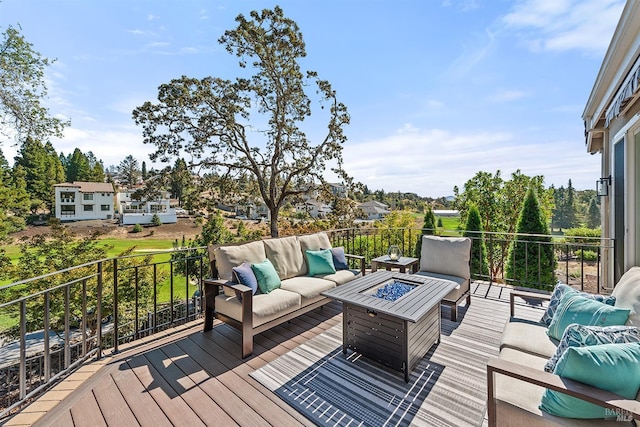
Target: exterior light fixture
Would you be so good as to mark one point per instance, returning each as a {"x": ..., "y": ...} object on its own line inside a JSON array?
[{"x": 602, "y": 186}]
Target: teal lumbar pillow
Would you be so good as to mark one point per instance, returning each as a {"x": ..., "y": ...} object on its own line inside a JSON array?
[
  {"x": 575, "y": 308},
  {"x": 320, "y": 262},
  {"x": 266, "y": 275},
  {"x": 610, "y": 367}
]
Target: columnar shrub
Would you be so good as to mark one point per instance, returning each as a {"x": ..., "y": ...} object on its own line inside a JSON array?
[
  {"x": 428, "y": 228},
  {"x": 479, "y": 263},
  {"x": 531, "y": 260}
]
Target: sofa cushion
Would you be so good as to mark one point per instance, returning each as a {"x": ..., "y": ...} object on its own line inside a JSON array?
[
  {"x": 528, "y": 337},
  {"x": 266, "y": 275},
  {"x": 581, "y": 336},
  {"x": 314, "y": 242},
  {"x": 611, "y": 367},
  {"x": 266, "y": 307},
  {"x": 230, "y": 256},
  {"x": 518, "y": 401},
  {"x": 307, "y": 287},
  {"x": 339, "y": 258},
  {"x": 320, "y": 262},
  {"x": 560, "y": 290},
  {"x": 286, "y": 256},
  {"x": 446, "y": 255},
  {"x": 243, "y": 274},
  {"x": 340, "y": 277},
  {"x": 457, "y": 292},
  {"x": 627, "y": 293},
  {"x": 575, "y": 308}
]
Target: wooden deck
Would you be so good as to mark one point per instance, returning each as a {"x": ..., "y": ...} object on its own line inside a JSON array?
[{"x": 193, "y": 378}]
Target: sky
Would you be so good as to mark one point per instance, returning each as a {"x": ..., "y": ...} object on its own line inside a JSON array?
[{"x": 437, "y": 90}]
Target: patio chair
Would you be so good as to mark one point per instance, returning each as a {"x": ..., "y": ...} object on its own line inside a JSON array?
[{"x": 448, "y": 258}]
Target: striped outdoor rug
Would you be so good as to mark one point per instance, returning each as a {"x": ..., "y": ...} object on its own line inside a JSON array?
[{"x": 446, "y": 388}]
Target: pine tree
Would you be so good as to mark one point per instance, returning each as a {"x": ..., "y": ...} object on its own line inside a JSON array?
[
  {"x": 593, "y": 215},
  {"x": 428, "y": 228},
  {"x": 531, "y": 260},
  {"x": 479, "y": 263}
]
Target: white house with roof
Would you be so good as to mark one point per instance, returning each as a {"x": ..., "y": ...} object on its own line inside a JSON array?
[
  {"x": 612, "y": 128},
  {"x": 374, "y": 209},
  {"x": 142, "y": 211},
  {"x": 77, "y": 201},
  {"x": 315, "y": 208}
]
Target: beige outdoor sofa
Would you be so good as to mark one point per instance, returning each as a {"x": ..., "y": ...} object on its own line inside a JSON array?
[
  {"x": 297, "y": 294},
  {"x": 448, "y": 258},
  {"x": 516, "y": 380}
]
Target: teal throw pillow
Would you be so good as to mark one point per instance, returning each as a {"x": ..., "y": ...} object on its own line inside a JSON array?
[
  {"x": 561, "y": 290},
  {"x": 583, "y": 335},
  {"x": 320, "y": 262},
  {"x": 574, "y": 308},
  {"x": 266, "y": 275},
  {"x": 611, "y": 367}
]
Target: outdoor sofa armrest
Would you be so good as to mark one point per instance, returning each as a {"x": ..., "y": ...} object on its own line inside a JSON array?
[
  {"x": 625, "y": 407},
  {"x": 212, "y": 289},
  {"x": 357, "y": 257},
  {"x": 527, "y": 295}
]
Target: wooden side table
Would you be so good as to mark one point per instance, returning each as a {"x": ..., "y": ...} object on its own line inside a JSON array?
[{"x": 402, "y": 263}]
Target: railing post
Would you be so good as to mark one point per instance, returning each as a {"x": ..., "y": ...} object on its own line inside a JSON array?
[
  {"x": 171, "y": 291},
  {"x": 99, "y": 312},
  {"x": 47, "y": 351},
  {"x": 155, "y": 298},
  {"x": 23, "y": 349},
  {"x": 67, "y": 328},
  {"x": 115, "y": 305},
  {"x": 136, "y": 329},
  {"x": 83, "y": 329}
]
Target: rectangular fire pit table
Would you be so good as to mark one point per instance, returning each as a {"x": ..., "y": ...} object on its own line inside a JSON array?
[{"x": 394, "y": 333}]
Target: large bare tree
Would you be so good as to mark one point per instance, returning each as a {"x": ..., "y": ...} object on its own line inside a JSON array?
[{"x": 252, "y": 124}]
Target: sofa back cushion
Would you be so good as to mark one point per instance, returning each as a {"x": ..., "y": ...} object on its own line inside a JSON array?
[
  {"x": 231, "y": 256},
  {"x": 286, "y": 256},
  {"x": 446, "y": 255},
  {"x": 314, "y": 242},
  {"x": 627, "y": 293}
]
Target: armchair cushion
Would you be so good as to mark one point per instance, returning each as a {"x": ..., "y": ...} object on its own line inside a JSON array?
[
  {"x": 314, "y": 242},
  {"x": 575, "y": 308},
  {"x": 560, "y": 290},
  {"x": 446, "y": 255},
  {"x": 611, "y": 367}
]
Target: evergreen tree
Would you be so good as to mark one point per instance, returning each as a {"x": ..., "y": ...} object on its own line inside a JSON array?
[
  {"x": 523, "y": 263},
  {"x": 77, "y": 167},
  {"x": 428, "y": 228},
  {"x": 128, "y": 171},
  {"x": 43, "y": 170},
  {"x": 473, "y": 230},
  {"x": 179, "y": 180},
  {"x": 593, "y": 215}
]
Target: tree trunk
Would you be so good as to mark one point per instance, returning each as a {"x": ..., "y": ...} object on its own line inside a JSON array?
[{"x": 273, "y": 225}]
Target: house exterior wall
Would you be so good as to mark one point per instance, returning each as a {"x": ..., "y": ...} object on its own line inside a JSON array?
[
  {"x": 75, "y": 203},
  {"x": 612, "y": 122}
]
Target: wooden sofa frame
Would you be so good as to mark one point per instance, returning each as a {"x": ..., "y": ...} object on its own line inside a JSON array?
[
  {"x": 626, "y": 408},
  {"x": 213, "y": 288}
]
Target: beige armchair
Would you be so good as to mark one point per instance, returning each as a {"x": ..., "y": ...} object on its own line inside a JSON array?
[{"x": 448, "y": 258}]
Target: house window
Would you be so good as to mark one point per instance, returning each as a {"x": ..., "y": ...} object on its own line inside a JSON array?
[
  {"x": 87, "y": 208},
  {"x": 104, "y": 208},
  {"x": 87, "y": 196},
  {"x": 66, "y": 210}
]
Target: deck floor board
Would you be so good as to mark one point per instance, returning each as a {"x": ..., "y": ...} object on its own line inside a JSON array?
[{"x": 195, "y": 378}]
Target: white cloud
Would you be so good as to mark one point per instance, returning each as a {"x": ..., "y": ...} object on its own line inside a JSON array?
[
  {"x": 480, "y": 47},
  {"x": 430, "y": 162},
  {"x": 561, "y": 25}
]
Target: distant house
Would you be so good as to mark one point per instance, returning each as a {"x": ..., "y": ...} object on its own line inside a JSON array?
[
  {"x": 337, "y": 189},
  {"x": 141, "y": 212},
  {"x": 78, "y": 201},
  {"x": 314, "y": 208},
  {"x": 374, "y": 209}
]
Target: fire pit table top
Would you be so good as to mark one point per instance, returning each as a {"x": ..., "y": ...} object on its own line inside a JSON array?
[{"x": 411, "y": 306}]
